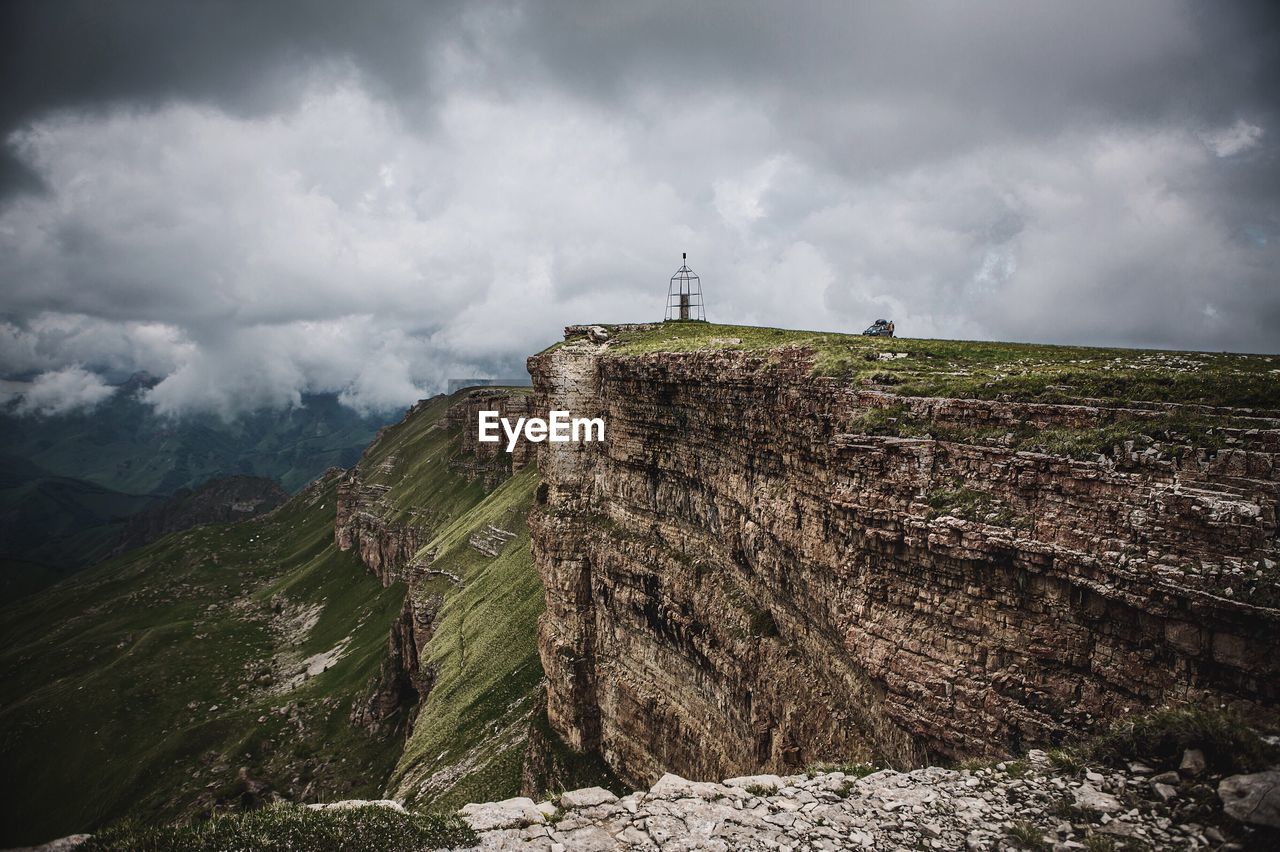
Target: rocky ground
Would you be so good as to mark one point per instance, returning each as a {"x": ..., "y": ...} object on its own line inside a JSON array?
[{"x": 1016, "y": 805}]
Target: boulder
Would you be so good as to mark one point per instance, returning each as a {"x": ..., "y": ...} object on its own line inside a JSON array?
[
  {"x": 766, "y": 782},
  {"x": 62, "y": 844},
  {"x": 509, "y": 813},
  {"x": 1192, "y": 762},
  {"x": 671, "y": 786},
  {"x": 1090, "y": 798},
  {"x": 597, "y": 334},
  {"x": 588, "y": 797},
  {"x": 348, "y": 804},
  {"x": 1254, "y": 798}
]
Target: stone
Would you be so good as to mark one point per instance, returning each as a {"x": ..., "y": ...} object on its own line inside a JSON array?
[
  {"x": 62, "y": 844},
  {"x": 748, "y": 782},
  {"x": 1252, "y": 799},
  {"x": 671, "y": 786},
  {"x": 1192, "y": 762},
  {"x": 1165, "y": 791},
  {"x": 517, "y": 812},
  {"x": 1091, "y": 799},
  {"x": 588, "y": 797},
  {"x": 349, "y": 804},
  {"x": 1166, "y": 778},
  {"x": 598, "y": 334}
]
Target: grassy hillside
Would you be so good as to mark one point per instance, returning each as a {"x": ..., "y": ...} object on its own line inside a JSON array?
[
  {"x": 144, "y": 685},
  {"x": 415, "y": 459},
  {"x": 990, "y": 370},
  {"x": 169, "y": 683},
  {"x": 470, "y": 734}
]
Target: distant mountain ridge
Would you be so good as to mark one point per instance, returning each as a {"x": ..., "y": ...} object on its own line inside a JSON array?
[
  {"x": 222, "y": 500},
  {"x": 52, "y": 526},
  {"x": 68, "y": 483},
  {"x": 125, "y": 446}
]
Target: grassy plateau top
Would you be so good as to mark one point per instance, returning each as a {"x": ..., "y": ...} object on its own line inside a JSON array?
[{"x": 987, "y": 369}]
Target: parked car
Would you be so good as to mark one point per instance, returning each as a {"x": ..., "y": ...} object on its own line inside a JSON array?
[{"x": 880, "y": 328}]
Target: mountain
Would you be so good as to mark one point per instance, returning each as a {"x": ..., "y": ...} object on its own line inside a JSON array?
[
  {"x": 375, "y": 632},
  {"x": 124, "y": 446},
  {"x": 51, "y": 526},
  {"x": 69, "y": 482},
  {"x": 221, "y": 500},
  {"x": 793, "y": 550}
]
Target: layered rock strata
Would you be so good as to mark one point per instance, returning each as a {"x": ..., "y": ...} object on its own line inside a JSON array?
[{"x": 742, "y": 579}]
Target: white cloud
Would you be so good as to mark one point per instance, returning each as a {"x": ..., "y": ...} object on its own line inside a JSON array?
[
  {"x": 71, "y": 389},
  {"x": 1233, "y": 139}
]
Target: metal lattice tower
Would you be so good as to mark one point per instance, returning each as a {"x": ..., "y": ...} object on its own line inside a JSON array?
[{"x": 684, "y": 295}]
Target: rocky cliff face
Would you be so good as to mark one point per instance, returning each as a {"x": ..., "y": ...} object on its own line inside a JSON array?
[
  {"x": 374, "y": 516},
  {"x": 413, "y": 481},
  {"x": 749, "y": 575}
]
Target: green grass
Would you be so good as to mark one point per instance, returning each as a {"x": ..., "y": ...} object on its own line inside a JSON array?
[
  {"x": 290, "y": 828},
  {"x": 130, "y": 690},
  {"x": 484, "y": 654},
  {"x": 960, "y": 501},
  {"x": 1066, "y": 759},
  {"x": 1026, "y": 835},
  {"x": 991, "y": 370},
  {"x": 1230, "y": 746}
]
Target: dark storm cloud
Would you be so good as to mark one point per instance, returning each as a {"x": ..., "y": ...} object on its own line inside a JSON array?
[
  {"x": 246, "y": 57},
  {"x": 256, "y": 200}
]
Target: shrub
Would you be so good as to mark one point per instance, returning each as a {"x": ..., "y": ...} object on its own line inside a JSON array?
[
  {"x": 293, "y": 828},
  {"x": 1026, "y": 835},
  {"x": 1229, "y": 745}
]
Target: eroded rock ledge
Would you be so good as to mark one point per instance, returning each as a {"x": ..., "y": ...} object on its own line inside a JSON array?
[{"x": 744, "y": 578}]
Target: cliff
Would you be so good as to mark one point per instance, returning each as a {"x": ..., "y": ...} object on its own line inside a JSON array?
[
  {"x": 419, "y": 474},
  {"x": 431, "y": 508},
  {"x": 798, "y": 547}
]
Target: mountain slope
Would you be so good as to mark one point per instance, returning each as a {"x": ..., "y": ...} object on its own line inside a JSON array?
[
  {"x": 416, "y": 509},
  {"x": 144, "y": 685},
  {"x": 222, "y": 500},
  {"x": 469, "y": 739},
  {"x": 284, "y": 656},
  {"x": 51, "y": 526}
]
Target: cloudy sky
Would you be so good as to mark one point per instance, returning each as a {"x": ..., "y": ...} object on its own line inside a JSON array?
[{"x": 259, "y": 200}]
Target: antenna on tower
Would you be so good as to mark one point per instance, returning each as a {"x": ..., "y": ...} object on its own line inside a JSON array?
[{"x": 684, "y": 295}]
